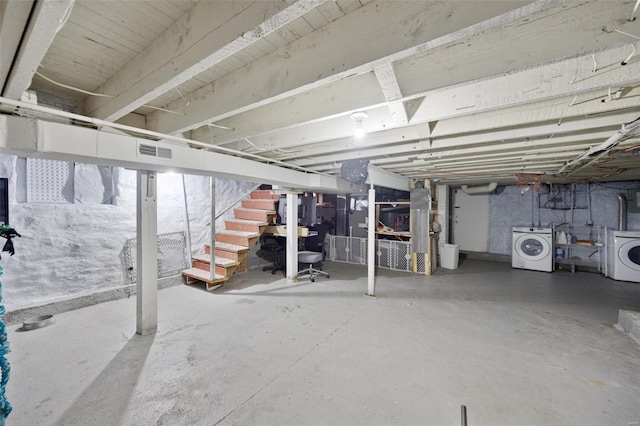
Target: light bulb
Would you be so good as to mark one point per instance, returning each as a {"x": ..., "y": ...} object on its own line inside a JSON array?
[{"x": 358, "y": 131}]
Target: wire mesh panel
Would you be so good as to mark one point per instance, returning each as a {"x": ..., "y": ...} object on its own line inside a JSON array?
[
  {"x": 390, "y": 254},
  {"x": 394, "y": 255},
  {"x": 348, "y": 249},
  {"x": 171, "y": 255},
  {"x": 421, "y": 263}
]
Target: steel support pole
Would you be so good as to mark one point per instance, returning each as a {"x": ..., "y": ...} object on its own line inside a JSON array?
[
  {"x": 292, "y": 236},
  {"x": 147, "y": 253},
  {"x": 212, "y": 241},
  {"x": 371, "y": 244}
]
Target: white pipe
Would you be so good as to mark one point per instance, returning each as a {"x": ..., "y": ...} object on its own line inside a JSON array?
[
  {"x": 479, "y": 189},
  {"x": 101, "y": 123}
]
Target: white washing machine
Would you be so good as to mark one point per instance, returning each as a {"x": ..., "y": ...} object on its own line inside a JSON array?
[
  {"x": 623, "y": 256},
  {"x": 532, "y": 248}
]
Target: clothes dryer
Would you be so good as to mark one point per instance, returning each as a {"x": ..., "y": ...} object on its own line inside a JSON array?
[
  {"x": 623, "y": 256},
  {"x": 532, "y": 248}
]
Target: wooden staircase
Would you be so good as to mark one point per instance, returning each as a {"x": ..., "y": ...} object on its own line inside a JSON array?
[{"x": 232, "y": 245}]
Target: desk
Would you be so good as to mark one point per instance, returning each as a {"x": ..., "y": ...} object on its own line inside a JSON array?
[{"x": 281, "y": 230}]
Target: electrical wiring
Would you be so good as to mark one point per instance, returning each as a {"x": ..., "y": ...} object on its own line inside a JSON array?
[{"x": 86, "y": 92}]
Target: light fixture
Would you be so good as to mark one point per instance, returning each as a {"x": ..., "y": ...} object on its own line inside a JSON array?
[{"x": 359, "y": 131}]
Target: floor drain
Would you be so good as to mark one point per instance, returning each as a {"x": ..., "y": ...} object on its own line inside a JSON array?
[{"x": 37, "y": 322}]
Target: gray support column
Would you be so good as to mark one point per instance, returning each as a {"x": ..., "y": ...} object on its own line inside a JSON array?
[
  {"x": 292, "y": 236},
  {"x": 212, "y": 241},
  {"x": 371, "y": 244},
  {"x": 147, "y": 253}
]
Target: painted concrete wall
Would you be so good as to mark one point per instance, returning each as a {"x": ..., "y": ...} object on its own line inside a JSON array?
[
  {"x": 510, "y": 206},
  {"x": 69, "y": 250}
]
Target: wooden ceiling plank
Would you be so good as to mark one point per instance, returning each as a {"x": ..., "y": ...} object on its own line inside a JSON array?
[
  {"x": 168, "y": 8},
  {"x": 167, "y": 64},
  {"x": 107, "y": 29},
  {"x": 348, "y": 6},
  {"x": 330, "y": 11},
  {"x": 315, "y": 19}
]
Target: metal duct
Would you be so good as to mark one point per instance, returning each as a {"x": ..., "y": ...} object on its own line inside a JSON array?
[
  {"x": 622, "y": 212},
  {"x": 484, "y": 189}
]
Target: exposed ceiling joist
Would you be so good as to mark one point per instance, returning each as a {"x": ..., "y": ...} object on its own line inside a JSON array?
[
  {"x": 324, "y": 57},
  {"x": 569, "y": 77},
  {"x": 14, "y": 16},
  {"x": 391, "y": 91},
  {"x": 572, "y": 80},
  {"x": 46, "y": 19},
  {"x": 211, "y": 32}
]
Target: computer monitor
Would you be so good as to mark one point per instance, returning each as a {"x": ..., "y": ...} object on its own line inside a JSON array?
[{"x": 306, "y": 210}]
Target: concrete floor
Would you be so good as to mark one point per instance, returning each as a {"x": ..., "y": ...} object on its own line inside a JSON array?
[{"x": 516, "y": 347}]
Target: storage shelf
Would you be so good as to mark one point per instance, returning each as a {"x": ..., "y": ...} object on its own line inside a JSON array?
[{"x": 581, "y": 254}]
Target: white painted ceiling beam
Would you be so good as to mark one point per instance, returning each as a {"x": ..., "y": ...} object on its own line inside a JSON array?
[
  {"x": 560, "y": 79},
  {"x": 297, "y": 139},
  {"x": 522, "y": 148},
  {"x": 391, "y": 91},
  {"x": 14, "y": 16},
  {"x": 209, "y": 33},
  {"x": 46, "y": 19},
  {"x": 511, "y": 94},
  {"x": 339, "y": 98},
  {"x": 558, "y": 110},
  {"x": 324, "y": 56},
  {"x": 539, "y": 130},
  {"x": 312, "y": 161},
  {"x": 387, "y": 179},
  {"x": 548, "y": 167},
  {"x": 486, "y": 96},
  {"x": 481, "y": 140}
]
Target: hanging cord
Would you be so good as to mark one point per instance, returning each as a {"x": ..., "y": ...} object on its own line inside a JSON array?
[{"x": 5, "y": 407}]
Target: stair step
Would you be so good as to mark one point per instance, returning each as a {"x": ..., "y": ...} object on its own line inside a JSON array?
[
  {"x": 253, "y": 214},
  {"x": 237, "y": 237},
  {"x": 266, "y": 194},
  {"x": 203, "y": 276},
  {"x": 205, "y": 258},
  {"x": 259, "y": 204},
  {"x": 228, "y": 251},
  {"x": 245, "y": 225},
  {"x": 225, "y": 247},
  {"x": 224, "y": 266}
]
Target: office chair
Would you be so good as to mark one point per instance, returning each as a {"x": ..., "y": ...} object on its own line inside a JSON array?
[
  {"x": 275, "y": 246},
  {"x": 313, "y": 253}
]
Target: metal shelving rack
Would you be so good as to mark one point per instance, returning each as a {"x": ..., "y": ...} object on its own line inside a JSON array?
[{"x": 585, "y": 247}]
